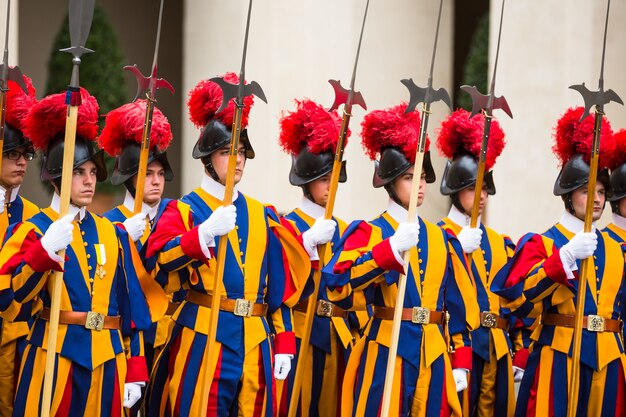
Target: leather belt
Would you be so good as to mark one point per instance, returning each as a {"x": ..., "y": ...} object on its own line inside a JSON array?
[
  {"x": 493, "y": 321},
  {"x": 592, "y": 323},
  {"x": 239, "y": 307},
  {"x": 324, "y": 309},
  {"x": 90, "y": 320},
  {"x": 171, "y": 308},
  {"x": 418, "y": 315}
]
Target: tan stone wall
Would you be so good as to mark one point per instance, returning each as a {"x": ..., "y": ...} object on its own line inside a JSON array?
[
  {"x": 294, "y": 48},
  {"x": 546, "y": 47}
]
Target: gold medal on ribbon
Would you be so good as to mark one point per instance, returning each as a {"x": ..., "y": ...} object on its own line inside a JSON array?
[{"x": 101, "y": 260}]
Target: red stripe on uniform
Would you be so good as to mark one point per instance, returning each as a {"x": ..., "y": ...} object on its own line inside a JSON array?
[
  {"x": 116, "y": 406},
  {"x": 66, "y": 400},
  {"x": 531, "y": 254},
  {"x": 445, "y": 407},
  {"x": 258, "y": 401},
  {"x": 620, "y": 404},
  {"x": 211, "y": 407}
]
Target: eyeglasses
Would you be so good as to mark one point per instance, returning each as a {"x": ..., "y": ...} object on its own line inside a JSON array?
[{"x": 16, "y": 155}]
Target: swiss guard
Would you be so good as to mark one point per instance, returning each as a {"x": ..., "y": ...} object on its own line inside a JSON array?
[
  {"x": 17, "y": 152},
  {"x": 459, "y": 139},
  {"x": 542, "y": 280},
  {"x": 107, "y": 296},
  {"x": 369, "y": 257},
  {"x": 121, "y": 138},
  {"x": 264, "y": 273},
  {"x": 309, "y": 134}
]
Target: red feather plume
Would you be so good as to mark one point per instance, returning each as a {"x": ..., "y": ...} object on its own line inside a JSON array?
[
  {"x": 458, "y": 134},
  {"x": 572, "y": 136},
  {"x": 619, "y": 154},
  {"x": 46, "y": 120},
  {"x": 125, "y": 124},
  {"x": 206, "y": 98},
  {"x": 310, "y": 124},
  {"x": 391, "y": 128},
  {"x": 18, "y": 103}
]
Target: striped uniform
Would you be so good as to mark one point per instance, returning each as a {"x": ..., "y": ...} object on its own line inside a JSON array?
[
  {"x": 619, "y": 235},
  {"x": 256, "y": 269},
  {"x": 12, "y": 334},
  {"x": 423, "y": 383},
  {"x": 154, "y": 338},
  {"x": 103, "y": 274},
  {"x": 331, "y": 341},
  {"x": 491, "y": 387},
  {"x": 535, "y": 283}
]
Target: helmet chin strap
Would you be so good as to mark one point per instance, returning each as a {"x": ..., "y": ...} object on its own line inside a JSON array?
[
  {"x": 208, "y": 167},
  {"x": 456, "y": 202},
  {"x": 393, "y": 195}
]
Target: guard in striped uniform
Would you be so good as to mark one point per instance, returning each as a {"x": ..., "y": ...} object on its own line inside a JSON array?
[
  {"x": 541, "y": 280},
  {"x": 105, "y": 290},
  {"x": 310, "y": 135},
  {"x": 490, "y": 392},
  {"x": 264, "y": 274},
  {"x": 121, "y": 138},
  {"x": 369, "y": 257},
  {"x": 17, "y": 152}
]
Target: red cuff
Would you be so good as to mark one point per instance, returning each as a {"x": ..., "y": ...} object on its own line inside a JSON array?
[
  {"x": 285, "y": 342},
  {"x": 520, "y": 358},
  {"x": 137, "y": 370},
  {"x": 462, "y": 358},
  {"x": 555, "y": 270},
  {"x": 190, "y": 244},
  {"x": 385, "y": 258},
  {"x": 38, "y": 259}
]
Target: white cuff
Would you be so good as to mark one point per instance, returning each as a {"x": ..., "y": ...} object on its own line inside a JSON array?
[
  {"x": 204, "y": 246},
  {"x": 567, "y": 267}
]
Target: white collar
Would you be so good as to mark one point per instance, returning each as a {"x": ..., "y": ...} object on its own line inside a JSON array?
[
  {"x": 460, "y": 218},
  {"x": 215, "y": 188},
  {"x": 129, "y": 203},
  {"x": 573, "y": 223},
  {"x": 14, "y": 192},
  {"x": 74, "y": 210},
  {"x": 619, "y": 221},
  {"x": 311, "y": 209},
  {"x": 398, "y": 213}
]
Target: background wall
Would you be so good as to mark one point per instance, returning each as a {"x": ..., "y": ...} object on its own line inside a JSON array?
[{"x": 295, "y": 47}]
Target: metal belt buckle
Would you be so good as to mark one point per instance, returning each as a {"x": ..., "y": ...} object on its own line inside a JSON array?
[
  {"x": 595, "y": 323},
  {"x": 488, "y": 319},
  {"x": 324, "y": 308},
  {"x": 95, "y": 321},
  {"x": 421, "y": 315},
  {"x": 243, "y": 307}
]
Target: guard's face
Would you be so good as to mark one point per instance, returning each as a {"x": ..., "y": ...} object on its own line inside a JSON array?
[
  {"x": 84, "y": 184},
  {"x": 579, "y": 201},
  {"x": 319, "y": 190},
  {"x": 219, "y": 160},
  {"x": 402, "y": 185},
  {"x": 466, "y": 198},
  {"x": 14, "y": 164},
  {"x": 154, "y": 185}
]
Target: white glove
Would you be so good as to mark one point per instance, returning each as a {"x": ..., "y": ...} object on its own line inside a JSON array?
[
  {"x": 321, "y": 232},
  {"x": 3, "y": 193},
  {"x": 518, "y": 374},
  {"x": 470, "y": 238},
  {"x": 282, "y": 365},
  {"x": 405, "y": 238},
  {"x": 582, "y": 246},
  {"x": 135, "y": 226},
  {"x": 219, "y": 223},
  {"x": 58, "y": 236},
  {"x": 132, "y": 393},
  {"x": 460, "y": 378}
]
